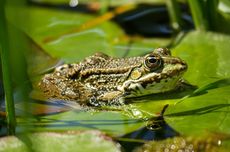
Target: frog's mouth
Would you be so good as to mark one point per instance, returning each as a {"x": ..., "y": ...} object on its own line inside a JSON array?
[{"x": 154, "y": 82}]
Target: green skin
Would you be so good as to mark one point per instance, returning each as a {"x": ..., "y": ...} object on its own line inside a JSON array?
[{"x": 104, "y": 80}]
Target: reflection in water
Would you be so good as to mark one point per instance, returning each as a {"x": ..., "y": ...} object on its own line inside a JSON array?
[{"x": 156, "y": 129}]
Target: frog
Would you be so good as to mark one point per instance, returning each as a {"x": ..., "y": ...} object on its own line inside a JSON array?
[{"x": 100, "y": 79}]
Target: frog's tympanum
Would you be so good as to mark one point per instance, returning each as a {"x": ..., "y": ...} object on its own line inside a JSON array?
[{"x": 103, "y": 80}]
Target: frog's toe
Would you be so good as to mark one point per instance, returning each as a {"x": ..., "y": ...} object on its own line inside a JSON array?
[
  {"x": 119, "y": 101},
  {"x": 94, "y": 102}
]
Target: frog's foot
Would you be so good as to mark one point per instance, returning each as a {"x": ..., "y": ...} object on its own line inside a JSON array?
[
  {"x": 119, "y": 101},
  {"x": 93, "y": 101},
  {"x": 114, "y": 98},
  {"x": 102, "y": 102}
]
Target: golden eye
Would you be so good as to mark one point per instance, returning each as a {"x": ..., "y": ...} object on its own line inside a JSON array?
[{"x": 153, "y": 62}]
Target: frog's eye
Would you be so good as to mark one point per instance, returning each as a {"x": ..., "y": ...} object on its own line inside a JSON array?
[{"x": 153, "y": 62}]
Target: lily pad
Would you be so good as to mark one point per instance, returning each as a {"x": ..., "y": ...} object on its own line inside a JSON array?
[
  {"x": 72, "y": 36},
  {"x": 66, "y": 43},
  {"x": 58, "y": 142},
  {"x": 207, "y": 108}
]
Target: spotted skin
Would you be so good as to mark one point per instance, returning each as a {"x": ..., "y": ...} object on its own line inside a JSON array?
[{"x": 104, "y": 80}]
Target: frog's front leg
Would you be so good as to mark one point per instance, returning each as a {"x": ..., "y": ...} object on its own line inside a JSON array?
[{"x": 108, "y": 98}]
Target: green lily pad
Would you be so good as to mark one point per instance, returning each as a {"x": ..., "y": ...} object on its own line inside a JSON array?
[
  {"x": 58, "y": 142},
  {"x": 10, "y": 144},
  {"x": 67, "y": 43},
  {"x": 207, "y": 108},
  {"x": 62, "y": 35}
]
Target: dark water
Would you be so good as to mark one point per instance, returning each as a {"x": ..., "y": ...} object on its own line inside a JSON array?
[{"x": 157, "y": 129}]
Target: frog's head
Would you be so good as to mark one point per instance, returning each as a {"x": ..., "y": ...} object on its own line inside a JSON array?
[{"x": 158, "y": 72}]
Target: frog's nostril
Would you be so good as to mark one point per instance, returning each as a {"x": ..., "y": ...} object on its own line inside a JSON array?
[{"x": 184, "y": 63}]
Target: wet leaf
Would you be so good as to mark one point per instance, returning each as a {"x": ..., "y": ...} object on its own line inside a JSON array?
[
  {"x": 207, "y": 108},
  {"x": 58, "y": 142},
  {"x": 11, "y": 143},
  {"x": 70, "y": 46},
  {"x": 71, "y": 42}
]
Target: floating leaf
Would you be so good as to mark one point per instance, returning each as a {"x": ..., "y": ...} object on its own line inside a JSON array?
[
  {"x": 58, "y": 142},
  {"x": 207, "y": 108}
]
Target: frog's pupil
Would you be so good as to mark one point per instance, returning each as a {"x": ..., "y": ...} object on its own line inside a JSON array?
[{"x": 152, "y": 60}]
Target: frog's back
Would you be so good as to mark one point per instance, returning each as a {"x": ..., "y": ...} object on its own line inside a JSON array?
[{"x": 102, "y": 62}]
